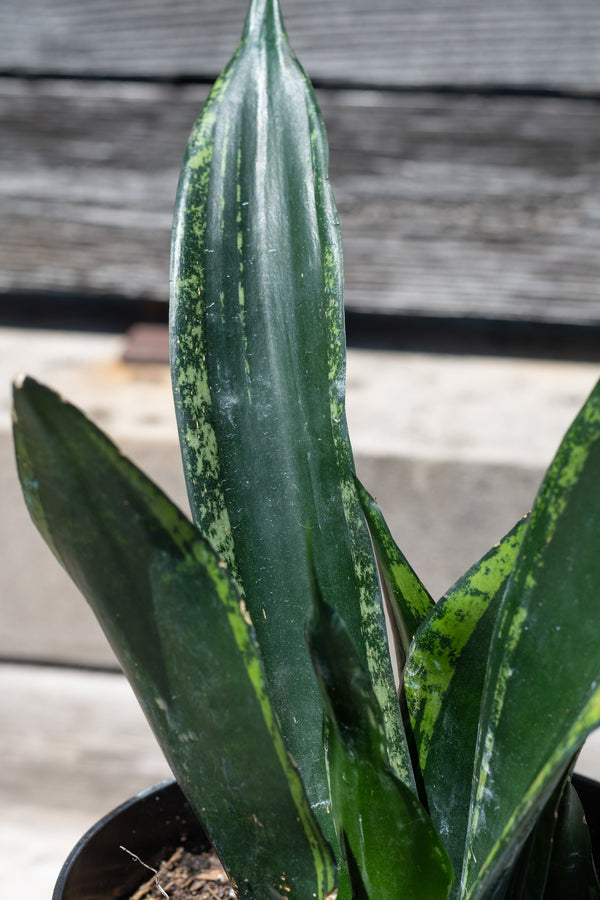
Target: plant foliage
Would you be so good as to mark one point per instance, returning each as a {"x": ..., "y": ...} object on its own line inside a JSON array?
[{"x": 264, "y": 668}]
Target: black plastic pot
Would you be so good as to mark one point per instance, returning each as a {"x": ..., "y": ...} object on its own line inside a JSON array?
[
  {"x": 589, "y": 794},
  {"x": 157, "y": 821},
  {"x": 151, "y": 825}
]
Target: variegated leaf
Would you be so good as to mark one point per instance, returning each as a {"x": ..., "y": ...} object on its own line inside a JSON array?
[
  {"x": 444, "y": 679},
  {"x": 175, "y": 620},
  {"x": 542, "y": 694},
  {"x": 258, "y": 361}
]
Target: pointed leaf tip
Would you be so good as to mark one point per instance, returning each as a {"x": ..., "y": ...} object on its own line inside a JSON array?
[{"x": 173, "y": 615}]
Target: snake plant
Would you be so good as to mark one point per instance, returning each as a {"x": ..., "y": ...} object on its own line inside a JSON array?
[{"x": 254, "y": 633}]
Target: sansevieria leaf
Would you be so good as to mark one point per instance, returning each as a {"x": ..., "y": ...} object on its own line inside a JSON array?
[
  {"x": 444, "y": 679},
  {"x": 556, "y": 861},
  {"x": 174, "y": 617},
  {"x": 391, "y": 848},
  {"x": 571, "y": 872},
  {"x": 410, "y": 602},
  {"x": 542, "y": 693},
  {"x": 257, "y": 349}
]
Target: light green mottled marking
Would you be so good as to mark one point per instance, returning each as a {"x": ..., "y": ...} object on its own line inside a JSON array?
[
  {"x": 539, "y": 603},
  {"x": 586, "y": 721},
  {"x": 201, "y": 159},
  {"x": 284, "y": 250},
  {"x": 190, "y": 380},
  {"x": 238, "y": 619},
  {"x": 408, "y": 600},
  {"x": 241, "y": 289},
  {"x": 562, "y": 478},
  {"x": 369, "y": 598},
  {"x": 518, "y": 619},
  {"x": 435, "y": 652}
]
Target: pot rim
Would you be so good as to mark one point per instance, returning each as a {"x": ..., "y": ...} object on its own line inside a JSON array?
[
  {"x": 179, "y": 821},
  {"x": 99, "y": 851}
]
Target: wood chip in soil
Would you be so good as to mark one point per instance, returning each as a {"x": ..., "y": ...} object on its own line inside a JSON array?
[{"x": 188, "y": 876}]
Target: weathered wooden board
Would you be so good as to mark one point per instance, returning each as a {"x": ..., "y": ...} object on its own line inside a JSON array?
[
  {"x": 396, "y": 42},
  {"x": 451, "y": 205}
]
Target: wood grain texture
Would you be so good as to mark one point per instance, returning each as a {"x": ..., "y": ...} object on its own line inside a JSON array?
[
  {"x": 450, "y": 205},
  {"x": 395, "y": 42}
]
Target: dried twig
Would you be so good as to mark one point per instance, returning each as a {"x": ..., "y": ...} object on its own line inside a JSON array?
[{"x": 141, "y": 862}]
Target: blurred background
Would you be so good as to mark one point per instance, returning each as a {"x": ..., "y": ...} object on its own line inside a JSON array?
[{"x": 464, "y": 149}]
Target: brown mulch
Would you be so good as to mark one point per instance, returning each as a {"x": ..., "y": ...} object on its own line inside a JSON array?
[{"x": 188, "y": 876}]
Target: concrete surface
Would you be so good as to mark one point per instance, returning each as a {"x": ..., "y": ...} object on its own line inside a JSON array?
[
  {"x": 453, "y": 447},
  {"x": 73, "y": 746}
]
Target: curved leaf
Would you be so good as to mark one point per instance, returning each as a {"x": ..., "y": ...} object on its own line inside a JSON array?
[
  {"x": 392, "y": 850},
  {"x": 410, "y": 602},
  {"x": 258, "y": 362},
  {"x": 557, "y": 860},
  {"x": 527, "y": 878},
  {"x": 444, "y": 679},
  {"x": 571, "y": 872},
  {"x": 174, "y": 618},
  {"x": 542, "y": 693}
]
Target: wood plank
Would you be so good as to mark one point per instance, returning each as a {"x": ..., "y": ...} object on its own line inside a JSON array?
[
  {"x": 394, "y": 42},
  {"x": 449, "y": 205},
  {"x": 468, "y": 205}
]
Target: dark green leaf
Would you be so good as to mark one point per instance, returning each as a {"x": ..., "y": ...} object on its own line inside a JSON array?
[
  {"x": 258, "y": 361},
  {"x": 174, "y": 618},
  {"x": 527, "y": 878},
  {"x": 556, "y": 860},
  {"x": 571, "y": 872},
  {"x": 391, "y": 848},
  {"x": 358, "y": 890},
  {"x": 410, "y": 603},
  {"x": 542, "y": 695},
  {"x": 444, "y": 679}
]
